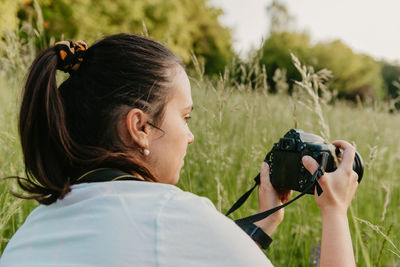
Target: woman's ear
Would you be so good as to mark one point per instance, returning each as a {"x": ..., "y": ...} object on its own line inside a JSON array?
[{"x": 136, "y": 123}]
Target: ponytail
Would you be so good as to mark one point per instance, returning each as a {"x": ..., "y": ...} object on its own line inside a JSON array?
[{"x": 43, "y": 132}]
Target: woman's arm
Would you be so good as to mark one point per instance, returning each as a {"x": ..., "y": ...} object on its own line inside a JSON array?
[
  {"x": 336, "y": 247},
  {"x": 338, "y": 190}
]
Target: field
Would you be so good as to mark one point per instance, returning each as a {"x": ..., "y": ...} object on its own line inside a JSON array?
[{"x": 234, "y": 128}]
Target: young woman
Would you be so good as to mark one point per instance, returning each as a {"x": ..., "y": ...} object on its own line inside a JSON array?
[{"x": 102, "y": 154}]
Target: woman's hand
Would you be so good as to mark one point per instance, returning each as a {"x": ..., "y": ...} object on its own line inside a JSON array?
[
  {"x": 338, "y": 186},
  {"x": 338, "y": 190},
  {"x": 268, "y": 198}
]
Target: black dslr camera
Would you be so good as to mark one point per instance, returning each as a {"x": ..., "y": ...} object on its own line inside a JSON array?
[{"x": 286, "y": 168}]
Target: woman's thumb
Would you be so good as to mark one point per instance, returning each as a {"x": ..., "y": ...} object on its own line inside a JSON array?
[{"x": 310, "y": 164}]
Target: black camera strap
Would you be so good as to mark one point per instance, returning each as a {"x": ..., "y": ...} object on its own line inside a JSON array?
[
  {"x": 105, "y": 175},
  {"x": 259, "y": 216}
]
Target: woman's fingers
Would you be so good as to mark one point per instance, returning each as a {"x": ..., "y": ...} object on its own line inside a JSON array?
[
  {"x": 348, "y": 154},
  {"x": 264, "y": 174},
  {"x": 310, "y": 164},
  {"x": 284, "y": 194},
  {"x": 268, "y": 198},
  {"x": 265, "y": 183},
  {"x": 347, "y": 159}
]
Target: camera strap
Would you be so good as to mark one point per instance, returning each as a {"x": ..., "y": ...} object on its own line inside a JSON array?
[
  {"x": 105, "y": 175},
  {"x": 259, "y": 216}
]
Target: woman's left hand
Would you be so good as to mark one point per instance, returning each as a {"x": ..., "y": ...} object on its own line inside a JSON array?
[{"x": 268, "y": 198}]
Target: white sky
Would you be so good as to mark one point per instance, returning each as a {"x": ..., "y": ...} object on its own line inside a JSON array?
[{"x": 369, "y": 26}]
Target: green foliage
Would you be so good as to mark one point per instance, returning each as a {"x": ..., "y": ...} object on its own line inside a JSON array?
[
  {"x": 391, "y": 74},
  {"x": 246, "y": 75},
  {"x": 15, "y": 57},
  {"x": 183, "y": 25},
  {"x": 8, "y": 21},
  {"x": 276, "y": 54},
  {"x": 353, "y": 73}
]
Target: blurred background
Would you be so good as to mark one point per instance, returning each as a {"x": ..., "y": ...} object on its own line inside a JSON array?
[{"x": 356, "y": 40}]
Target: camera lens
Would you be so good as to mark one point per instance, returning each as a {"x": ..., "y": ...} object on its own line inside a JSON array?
[{"x": 358, "y": 166}]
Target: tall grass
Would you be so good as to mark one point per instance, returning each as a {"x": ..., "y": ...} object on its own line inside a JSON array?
[
  {"x": 234, "y": 129},
  {"x": 235, "y": 125}
]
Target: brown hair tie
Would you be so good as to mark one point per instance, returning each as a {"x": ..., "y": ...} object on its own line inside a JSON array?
[{"x": 70, "y": 55}]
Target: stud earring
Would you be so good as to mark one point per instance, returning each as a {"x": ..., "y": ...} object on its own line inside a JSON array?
[{"x": 146, "y": 152}]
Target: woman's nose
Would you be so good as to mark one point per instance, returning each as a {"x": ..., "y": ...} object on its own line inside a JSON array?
[{"x": 191, "y": 137}]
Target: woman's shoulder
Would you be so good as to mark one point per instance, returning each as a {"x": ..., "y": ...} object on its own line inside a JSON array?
[
  {"x": 136, "y": 197},
  {"x": 189, "y": 201},
  {"x": 123, "y": 187},
  {"x": 118, "y": 190},
  {"x": 168, "y": 196}
]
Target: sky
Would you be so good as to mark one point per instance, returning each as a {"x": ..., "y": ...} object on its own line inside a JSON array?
[{"x": 367, "y": 26}]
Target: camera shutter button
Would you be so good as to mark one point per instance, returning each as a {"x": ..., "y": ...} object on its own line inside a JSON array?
[{"x": 302, "y": 169}]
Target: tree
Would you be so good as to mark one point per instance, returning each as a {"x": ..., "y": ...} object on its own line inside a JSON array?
[
  {"x": 391, "y": 74},
  {"x": 354, "y": 74},
  {"x": 183, "y": 25},
  {"x": 276, "y": 54},
  {"x": 279, "y": 17}
]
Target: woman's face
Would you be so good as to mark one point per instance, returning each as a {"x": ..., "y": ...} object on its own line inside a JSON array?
[{"x": 168, "y": 147}]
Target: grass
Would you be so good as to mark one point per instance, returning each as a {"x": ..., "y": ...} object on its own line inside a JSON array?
[{"x": 234, "y": 128}]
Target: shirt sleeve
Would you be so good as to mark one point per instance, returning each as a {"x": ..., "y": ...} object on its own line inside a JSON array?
[{"x": 191, "y": 232}]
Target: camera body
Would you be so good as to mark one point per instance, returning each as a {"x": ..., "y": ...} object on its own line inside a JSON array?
[{"x": 286, "y": 168}]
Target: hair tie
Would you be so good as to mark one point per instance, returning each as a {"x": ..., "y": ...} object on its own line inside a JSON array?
[{"x": 70, "y": 55}]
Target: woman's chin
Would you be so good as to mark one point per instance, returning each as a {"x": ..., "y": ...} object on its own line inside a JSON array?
[{"x": 175, "y": 180}]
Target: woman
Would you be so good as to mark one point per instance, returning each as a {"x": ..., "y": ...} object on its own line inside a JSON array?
[{"x": 125, "y": 108}]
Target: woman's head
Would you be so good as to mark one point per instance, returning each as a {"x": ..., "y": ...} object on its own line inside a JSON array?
[{"x": 105, "y": 114}]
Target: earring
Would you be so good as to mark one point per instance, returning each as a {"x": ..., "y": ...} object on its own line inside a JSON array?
[{"x": 146, "y": 152}]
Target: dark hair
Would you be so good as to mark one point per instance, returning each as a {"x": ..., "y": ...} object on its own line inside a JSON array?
[{"x": 69, "y": 130}]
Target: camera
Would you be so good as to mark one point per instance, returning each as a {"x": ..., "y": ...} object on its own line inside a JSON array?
[{"x": 286, "y": 168}]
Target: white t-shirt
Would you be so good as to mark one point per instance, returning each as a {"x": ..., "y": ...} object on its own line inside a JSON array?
[{"x": 130, "y": 223}]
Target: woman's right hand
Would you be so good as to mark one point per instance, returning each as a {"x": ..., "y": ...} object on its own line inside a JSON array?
[
  {"x": 338, "y": 190},
  {"x": 338, "y": 186}
]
